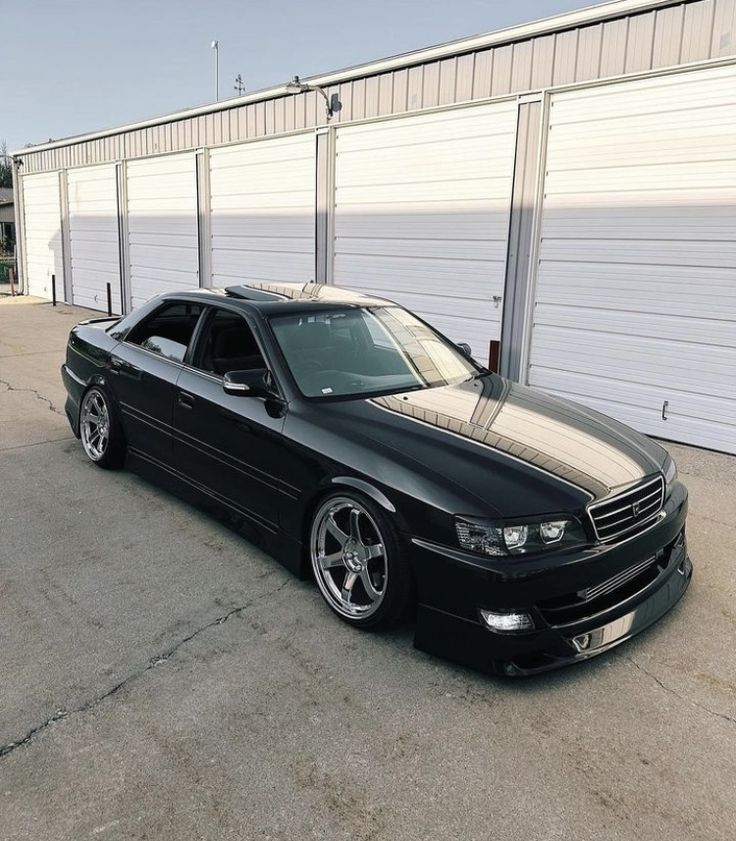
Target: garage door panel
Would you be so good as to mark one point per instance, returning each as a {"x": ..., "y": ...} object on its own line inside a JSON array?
[
  {"x": 264, "y": 267},
  {"x": 263, "y": 210},
  {"x": 427, "y": 129},
  {"x": 43, "y": 240},
  {"x": 702, "y": 224},
  {"x": 422, "y": 212},
  {"x": 653, "y": 326},
  {"x": 639, "y": 396},
  {"x": 640, "y": 96},
  {"x": 260, "y": 153},
  {"x": 413, "y": 221},
  {"x": 163, "y": 233},
  {"x": 635, "y": 301},
  {"x": 93, "y": 236},
  {"x": 431, "y": 276},
  {"x": 710, "y": 174},
  {"x": 698, "y": 368},
  {"x": 642, "y": 252},
  {"x": 710, "y": 433},
  {"x": 483, "y": 250},
  {"x": 290, "y": 226}
]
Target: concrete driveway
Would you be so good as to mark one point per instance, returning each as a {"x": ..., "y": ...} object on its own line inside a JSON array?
[{"x": 162, "y": 679}]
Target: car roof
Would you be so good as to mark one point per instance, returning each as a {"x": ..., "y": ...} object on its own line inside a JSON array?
[{"x": 282, "y": 298}]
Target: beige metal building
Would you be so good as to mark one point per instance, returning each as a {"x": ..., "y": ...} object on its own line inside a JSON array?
[{"x": 561, "y": 195}]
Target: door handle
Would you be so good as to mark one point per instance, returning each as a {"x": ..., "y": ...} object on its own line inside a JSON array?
[
  {"x": 186, "y": 400},
  {"x": 120, "y": 366}
]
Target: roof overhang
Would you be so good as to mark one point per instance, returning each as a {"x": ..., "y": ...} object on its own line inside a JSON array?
[{"x": 569, "y": 20}]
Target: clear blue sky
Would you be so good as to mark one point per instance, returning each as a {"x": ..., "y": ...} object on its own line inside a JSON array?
[{"x": 70, "y": 66}]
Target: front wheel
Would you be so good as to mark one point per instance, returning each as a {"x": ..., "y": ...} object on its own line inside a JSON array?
[
  {"x": 100, "y": 431},
  {"x": 357, "y": 562}
]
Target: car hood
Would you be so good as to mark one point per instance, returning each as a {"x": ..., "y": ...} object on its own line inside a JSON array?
[{"x": 498, "y": 441}]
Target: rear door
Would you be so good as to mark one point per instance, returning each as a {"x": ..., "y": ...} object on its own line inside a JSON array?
[
  {"x": 144, "y": 370},
  {"x": 229, "y": 445}
]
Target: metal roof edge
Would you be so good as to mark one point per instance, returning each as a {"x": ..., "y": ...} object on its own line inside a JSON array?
[{"x": 567, "y": 20}]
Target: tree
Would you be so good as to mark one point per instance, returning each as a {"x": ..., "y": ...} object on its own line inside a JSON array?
[{"x": 6, "y": 167}]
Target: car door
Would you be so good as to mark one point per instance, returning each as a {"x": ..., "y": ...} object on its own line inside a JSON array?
[
  {"x": 230, "y": 445},
  {"x": 144, "y": 369}
]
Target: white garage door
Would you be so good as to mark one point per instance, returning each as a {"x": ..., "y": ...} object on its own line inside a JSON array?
[
  {"x": 163, "y": 236},
  {"x": 42, "y": 223},
  {"x": 635, "y": 310},
  {"x": 422, "y": 215},
  {"x": 262, "y": 203},
  {"x": 93, "y": 236}
]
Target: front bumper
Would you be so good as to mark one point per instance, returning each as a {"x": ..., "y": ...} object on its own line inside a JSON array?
[{"x": 453, "y": 588}]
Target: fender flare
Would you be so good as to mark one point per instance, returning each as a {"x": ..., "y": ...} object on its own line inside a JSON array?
[{"x": 365, "y": 488}]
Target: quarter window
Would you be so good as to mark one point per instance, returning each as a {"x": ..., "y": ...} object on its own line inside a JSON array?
[{"x": 168, "y": 331}]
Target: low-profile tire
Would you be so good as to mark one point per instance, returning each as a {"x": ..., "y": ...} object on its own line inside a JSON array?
[
  {"x": 100, "y": 430},
  {"x": 357, "y": 562}
]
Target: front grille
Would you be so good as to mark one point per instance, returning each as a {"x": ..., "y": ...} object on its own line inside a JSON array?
[{"x": 627, "y": 512}]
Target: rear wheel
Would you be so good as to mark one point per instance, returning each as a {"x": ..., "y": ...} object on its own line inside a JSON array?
[
  {"x": 100, "y": 431},
  {"x": 357, "y": 562}
]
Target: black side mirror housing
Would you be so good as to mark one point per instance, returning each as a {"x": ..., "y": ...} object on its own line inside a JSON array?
[
  {"x": 465, "y": 348},
  {"x": 252, "y": 383}
]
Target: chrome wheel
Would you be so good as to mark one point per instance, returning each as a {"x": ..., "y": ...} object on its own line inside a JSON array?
[
  {"x": 349, "y": 558},
  {"x": 94, "y": 424}
]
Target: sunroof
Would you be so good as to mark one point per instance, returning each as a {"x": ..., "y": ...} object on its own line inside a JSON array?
[{"x": 248, "y": 293}]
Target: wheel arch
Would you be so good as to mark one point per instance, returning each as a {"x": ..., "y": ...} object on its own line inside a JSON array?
[
  {"x": 334, "y": 485},
  {"x": 97, "y": 379}
]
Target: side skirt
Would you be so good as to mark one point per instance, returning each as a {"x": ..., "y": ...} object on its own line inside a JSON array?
[{"x": 287, "y": 551}]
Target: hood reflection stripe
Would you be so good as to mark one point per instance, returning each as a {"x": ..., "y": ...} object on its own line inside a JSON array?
[{"x": 486, "y": 446}]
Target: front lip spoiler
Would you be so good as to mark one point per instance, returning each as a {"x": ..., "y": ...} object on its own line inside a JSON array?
[{"x": 617, "y": 631}]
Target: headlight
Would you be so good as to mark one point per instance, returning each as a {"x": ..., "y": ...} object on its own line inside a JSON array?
[
  {"x": 499, "y": 539},
  {"x": 669, "y": 468}
]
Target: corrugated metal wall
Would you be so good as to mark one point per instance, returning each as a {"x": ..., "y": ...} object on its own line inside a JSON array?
[{"x": 676, "y": 34}]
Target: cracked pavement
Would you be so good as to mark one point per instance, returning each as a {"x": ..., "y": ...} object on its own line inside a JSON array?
[{"x": 161, "y": 678}]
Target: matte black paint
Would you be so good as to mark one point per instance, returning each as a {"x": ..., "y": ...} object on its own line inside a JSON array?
[{"x": 487, "y": 448}]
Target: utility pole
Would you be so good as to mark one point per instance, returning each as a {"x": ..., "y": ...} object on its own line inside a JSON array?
[
  {"x": 216, "y": 47},
  {"x": 239, "y": 85}
]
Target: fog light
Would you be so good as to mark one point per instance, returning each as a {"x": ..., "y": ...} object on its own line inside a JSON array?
[{"x": 507, "y": 622}]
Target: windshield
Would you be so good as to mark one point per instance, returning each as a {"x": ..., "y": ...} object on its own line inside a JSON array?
[{"x": 358, "y": 351}]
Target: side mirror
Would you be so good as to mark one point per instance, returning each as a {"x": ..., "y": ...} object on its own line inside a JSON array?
[
  {"x": 252, "y": 383},
  {"x": 465, "y": 348}
]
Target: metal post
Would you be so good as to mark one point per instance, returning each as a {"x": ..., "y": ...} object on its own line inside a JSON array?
[
  {"x": 109, "y": 299},
  {"x": 53, "y": 290},
  {"x": 11, "y": 279},
  {"x": 216, "y": 47}
]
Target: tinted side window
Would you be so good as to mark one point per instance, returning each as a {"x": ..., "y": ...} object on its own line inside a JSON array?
[
  {"x": 169, "y": 330},
  {"x": 227, "y": 344}
]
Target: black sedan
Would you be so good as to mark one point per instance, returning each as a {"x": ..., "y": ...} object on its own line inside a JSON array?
[{"x": 357, "y": 444}]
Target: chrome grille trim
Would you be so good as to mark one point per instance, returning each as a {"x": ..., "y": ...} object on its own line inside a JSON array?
[
  {"x": 616, "y": 581},
  {"x": 649, "y": 497}
]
